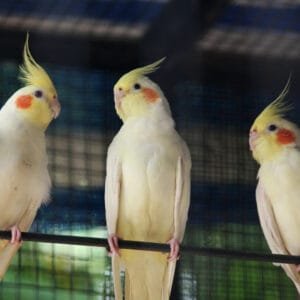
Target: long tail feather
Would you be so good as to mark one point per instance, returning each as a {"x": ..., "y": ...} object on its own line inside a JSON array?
[
  {"x": 6, "y": 255},
  {"x": 116, "y": 277}
]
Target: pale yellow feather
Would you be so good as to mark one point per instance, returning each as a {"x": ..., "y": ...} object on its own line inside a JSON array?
[
  {"x": 147, "y": 187},
  {"x": 24, "y": 179},
  {"x": 278, "y": 206},
  {"x": 278, "y": 190}
]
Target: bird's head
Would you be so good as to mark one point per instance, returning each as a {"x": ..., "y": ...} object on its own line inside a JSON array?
[
  {"x": 135, "y": 94},
  {"x": 270, "y": 133},
  {"x": 37, "y": 101}
]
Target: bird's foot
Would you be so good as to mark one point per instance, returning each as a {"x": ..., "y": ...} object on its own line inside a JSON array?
[
  {"x": 174, "y": 249},
  {"x": 15, "y": 235},
  {"x": 298, "y": 268},
  {"x": 113, "y": 245}
]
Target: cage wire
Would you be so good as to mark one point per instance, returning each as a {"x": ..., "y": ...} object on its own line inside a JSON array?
[{"x": 213, "y": 107}]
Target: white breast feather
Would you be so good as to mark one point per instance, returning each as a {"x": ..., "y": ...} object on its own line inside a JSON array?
[{"x": 24, "y": 179}]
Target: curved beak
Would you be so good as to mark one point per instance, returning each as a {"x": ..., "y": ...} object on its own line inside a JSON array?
[
  {"x": 118, "y": 95},
  {"x": 55, "y": 107},
  {"x": 252, "y": 139}
]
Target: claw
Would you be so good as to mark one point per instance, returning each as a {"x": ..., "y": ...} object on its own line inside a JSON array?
[
  {"x": 15, "y": 235},
  {"x": 113, "y": 245},
  {"x": 174, "y": 249}
]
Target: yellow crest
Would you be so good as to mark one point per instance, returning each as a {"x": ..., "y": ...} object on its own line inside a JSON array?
[
  {"x": 142, "y": 71},
  {"x": 32, "y": 73},
  {"x": 276, "y": 109},
  {"x": 133, "y": 75}
]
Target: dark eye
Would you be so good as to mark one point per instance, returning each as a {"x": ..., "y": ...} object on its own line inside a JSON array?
[
  {"x": 38, "y": 94},
  {"x": 137, "y": 86},
  {"x": 272, "y": 127},
  {"x": 120, "y": 89}
]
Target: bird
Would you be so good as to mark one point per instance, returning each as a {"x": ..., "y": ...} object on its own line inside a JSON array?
[
  {"x": 147, "y": 187},
  {"x": 275, "y": 145},
  {"x": 24, "y": 179}
]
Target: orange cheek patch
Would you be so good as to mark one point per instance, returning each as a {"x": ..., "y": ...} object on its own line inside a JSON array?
[
  {"x": 24, "y": 101},
  {"x": 285, "y": 136},
  {"x": 150, "y": 94}
]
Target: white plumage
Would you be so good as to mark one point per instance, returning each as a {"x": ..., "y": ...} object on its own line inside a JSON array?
[
  {"x": 147, "y": 190},
  {"x": 150, "y": 158},
  {"x": 275, "y": 143},
  {"x": 24, "y": 179},
  {"x": 278, "y": 204}
]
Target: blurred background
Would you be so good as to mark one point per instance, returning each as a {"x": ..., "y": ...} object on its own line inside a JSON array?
[{"x": 226, "y": 60}]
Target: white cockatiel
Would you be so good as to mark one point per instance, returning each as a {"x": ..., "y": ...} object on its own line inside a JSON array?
[
  {"x": 147, "y": 189},
  {"x": 275, "y": 144},
  {"x": 24, "y": 178}
]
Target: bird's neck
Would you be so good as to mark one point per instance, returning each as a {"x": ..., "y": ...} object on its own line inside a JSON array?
[
  {"x": 288, "y": 158},
  {"x": 150, "y": 123},
  {"x": 12, "y": 122}
]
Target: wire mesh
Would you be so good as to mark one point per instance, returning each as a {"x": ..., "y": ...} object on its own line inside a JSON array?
[
  {"x": 213, "y": 114},
  {"x": 222, "y": 214}
]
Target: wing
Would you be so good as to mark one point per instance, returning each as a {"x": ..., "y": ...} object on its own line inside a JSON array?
[
  {"x": 9, "y": 250},
  {"x": 182, "y": 193},
  {"x": 112, "y": 198},
  {"x": 268, "y": 222},
  {"x": 271, "y": 232},
  {"x": 181, "y": 207},
  {"x": 112, "y": 189}
]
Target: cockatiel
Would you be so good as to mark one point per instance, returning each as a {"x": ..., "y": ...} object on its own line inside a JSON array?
[
  {"x": 147, "y": 189},
  {"x": 24, "y": 178},
  {"x": 275, "y": 143}
]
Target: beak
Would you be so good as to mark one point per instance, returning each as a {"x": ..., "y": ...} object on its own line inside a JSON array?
[
  {"x": 119, "y": 94},
  {"x": 55, "y": 107},
  {"x": 252, "y": 139}
]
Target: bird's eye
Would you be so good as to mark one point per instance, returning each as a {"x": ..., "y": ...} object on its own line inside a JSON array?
[
  {"x": 137, "y": 86},
  {"x": 38, "y": 94},
  {"x": 272, "y": 127},
  {"x": 120, "y": 89}
]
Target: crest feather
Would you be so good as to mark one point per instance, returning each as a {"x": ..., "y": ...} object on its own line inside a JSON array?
[
  {"x": 142, "y": 71},
  {"x": 277, "y": 108},
  {"x": 135, "y": 74},
  {"x": 31, "y": 73}
]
